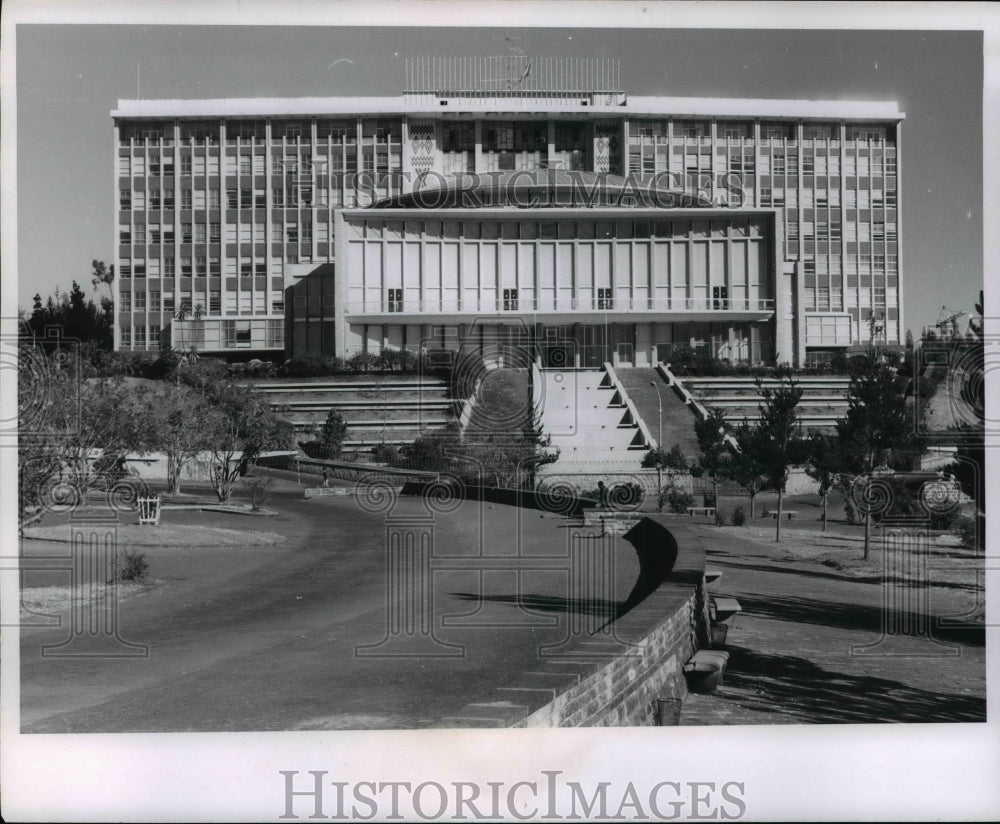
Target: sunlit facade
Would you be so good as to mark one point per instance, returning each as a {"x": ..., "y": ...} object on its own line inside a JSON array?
[{"x": 526, "y": 201}]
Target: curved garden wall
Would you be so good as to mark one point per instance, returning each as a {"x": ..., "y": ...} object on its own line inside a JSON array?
[{"x": 615, "y": 678}]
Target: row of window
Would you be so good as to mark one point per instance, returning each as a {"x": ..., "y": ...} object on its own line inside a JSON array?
[
  {"x": 380, "y": 131},
  {"x": 552, "y": 230},
  {"x": 744, "y": 129},
  {"x": 235, "y": 334},
  {"x": 187, "y": 305}
]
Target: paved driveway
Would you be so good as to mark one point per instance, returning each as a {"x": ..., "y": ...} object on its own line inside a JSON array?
[{"x": 264, "y": 638}]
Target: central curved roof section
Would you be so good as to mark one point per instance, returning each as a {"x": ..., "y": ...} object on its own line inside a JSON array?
[{"x": 544, "y": 188}]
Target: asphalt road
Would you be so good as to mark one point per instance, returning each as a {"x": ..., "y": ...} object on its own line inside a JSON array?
[{"x": 266, "y": 638}]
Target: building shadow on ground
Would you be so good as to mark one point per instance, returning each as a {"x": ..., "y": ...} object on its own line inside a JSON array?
[
  {"x": 799, "y": 688},
  {"x": 854, "y": 617},
  {"x": 857, "y": 579}
]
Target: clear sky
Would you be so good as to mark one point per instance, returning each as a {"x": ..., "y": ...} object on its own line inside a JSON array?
[{"x": 69, "y": 77}]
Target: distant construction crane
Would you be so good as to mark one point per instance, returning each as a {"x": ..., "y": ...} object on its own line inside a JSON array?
[{"x": 947, "y": 322}]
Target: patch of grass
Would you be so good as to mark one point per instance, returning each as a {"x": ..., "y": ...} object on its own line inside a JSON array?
[{"x": 133, "y": 567}]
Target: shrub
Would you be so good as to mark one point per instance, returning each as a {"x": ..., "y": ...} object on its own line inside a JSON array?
[
  {"x": 304, "y": 366},
  {"x": 965, "y": 528},
  {"x": 721, "y": 517},
  {"x": 625, "y": 496},
  {"x": 397, "y": 360},
  {"x": 739, "y": 516},
  {"x": 385, "y": 453},
  {"x": 259, "y": 490},
  {"x": 678, "y": 500},
  {"x": 363, "y": 362},
  {"x": 133, "y": 566}
]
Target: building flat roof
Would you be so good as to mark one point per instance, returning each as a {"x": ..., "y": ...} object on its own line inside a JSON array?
[{"x": 478, "y": 103}]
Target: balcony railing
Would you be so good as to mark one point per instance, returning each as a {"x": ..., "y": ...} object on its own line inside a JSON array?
[{"x": 522, "y": 305}]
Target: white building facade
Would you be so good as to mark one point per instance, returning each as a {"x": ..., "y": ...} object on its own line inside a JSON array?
[{"x": 525, "y": 200}]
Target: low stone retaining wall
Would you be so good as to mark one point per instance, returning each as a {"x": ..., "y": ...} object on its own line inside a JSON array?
[
  {"x": 555, "y": 501},
  {"x": 615, "y": 678},
  {"x": 348, "y": 471}
]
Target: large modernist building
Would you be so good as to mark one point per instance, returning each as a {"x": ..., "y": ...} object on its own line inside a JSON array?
[{"x": 530, "y": 201}]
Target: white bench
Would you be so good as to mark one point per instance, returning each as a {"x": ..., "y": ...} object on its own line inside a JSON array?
[
  {"x": 704, "y": 510},
  {"x": 773, "y": 513}
]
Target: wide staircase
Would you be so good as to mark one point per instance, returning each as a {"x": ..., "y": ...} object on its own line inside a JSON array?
[
  {"x": 591, "y": 423},
  {"x": 650, "y": 393},
  {"x": 387, "y": 409},
  {"x": 501, "y": 407},
  {"x": 824, "y": 399}
]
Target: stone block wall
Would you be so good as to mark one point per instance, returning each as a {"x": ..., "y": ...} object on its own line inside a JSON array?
[{"x": 612, "y": 678}]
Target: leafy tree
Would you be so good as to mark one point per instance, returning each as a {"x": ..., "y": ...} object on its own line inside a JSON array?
[
  {"x": 712, "y": 433},
  {"x": 329, "y": 437},
  {"x": 245, "y": 428},
  {"x": 432, "y": 451},
  {"x": 970, "y": 468},
  {"x": 180, "y": 423},
  {"x": 660, "y": 459},
  {"x": 66, "y": 419},
  {"x": 76, "y": 317},
  {"x": 745, "y": 465},
  {"x": 776, "y": 437},
  {"x": 876, "y": 423},
  {"x": 824, "y": 465},
  {"x": 102, "y": 275}
]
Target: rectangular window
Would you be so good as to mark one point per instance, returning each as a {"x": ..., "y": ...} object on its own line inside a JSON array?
[
  {"x": 140, "y": 301},
  {"x": 185, "y": 233},
  {"x": 154, "y": 233},
  {"x": 720, "y": 297},
  {"x": 199, "y": 233},
  {"x": 292, "y": 234},
  {"x": 185, "y": 198},
  {"x": 125, "y": 298},
  {"x": 604, "y": 299},
  {"x": 510, "y": 300},
  {"x": 125, "y": 233},
  {"x": 154, "y": 301},
  {"x": 214, "y": 303},
  {"x": 199, "y": 198},
  {"x": 185, "y": 164},
  {"x": 394, "y": 300},
  {"x": 213, "y": 233},
  {"x": 168, "y": 303},
  {"x": 168, "y": 266}
]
